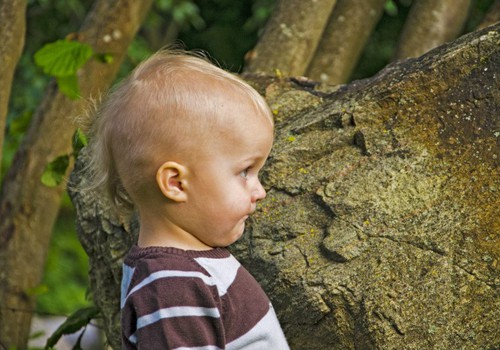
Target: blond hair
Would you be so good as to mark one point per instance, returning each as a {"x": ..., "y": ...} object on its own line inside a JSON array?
[{"x": 161, "y": 107}]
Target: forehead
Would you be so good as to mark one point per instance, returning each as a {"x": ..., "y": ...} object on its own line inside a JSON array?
[
  {"x": 246, "y": 136},
  {"x": 230, "y": 95}
]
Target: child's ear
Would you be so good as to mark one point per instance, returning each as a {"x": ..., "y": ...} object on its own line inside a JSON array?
[{"x": 171, "y": 179}]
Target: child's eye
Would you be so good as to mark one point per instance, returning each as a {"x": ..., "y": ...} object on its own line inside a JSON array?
[{"x": 244, "y": 173}]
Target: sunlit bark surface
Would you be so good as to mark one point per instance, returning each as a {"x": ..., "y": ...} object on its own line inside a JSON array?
[
  {"x": 290, "y": 37},
  {"x": 344, "y": 39}
]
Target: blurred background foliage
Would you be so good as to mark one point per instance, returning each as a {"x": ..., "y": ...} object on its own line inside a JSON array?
[{"x": 227, "y": 29}]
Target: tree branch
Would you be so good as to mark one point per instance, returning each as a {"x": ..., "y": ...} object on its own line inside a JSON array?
[
  {"x": 12, "y": 31},
  {"x": 290, "y": 37},
  {"x": 431, "y": 23},
  {"x": 344, "y": 39}
]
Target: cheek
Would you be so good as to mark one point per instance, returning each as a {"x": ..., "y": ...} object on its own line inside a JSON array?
[
  {"x": 235, "y": 199},
  {"x": 225, "y": 197}
]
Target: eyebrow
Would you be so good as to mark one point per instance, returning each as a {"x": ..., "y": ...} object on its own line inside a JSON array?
[{"x": 256, "y": 159}]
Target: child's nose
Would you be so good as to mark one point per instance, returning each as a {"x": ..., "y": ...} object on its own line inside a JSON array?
[{"x": 259, "y": 192}]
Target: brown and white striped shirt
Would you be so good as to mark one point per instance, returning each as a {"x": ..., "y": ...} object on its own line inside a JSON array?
[{"x": 196, "y": 300}]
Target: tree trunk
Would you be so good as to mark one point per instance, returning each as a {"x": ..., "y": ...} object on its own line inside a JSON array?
[
  {"x": 106, "y": 239},
  {"x": 431, "y": 23},
  {"x": 344, "y": 39},
  {"x": 12, "y": 30},
  {"x": 27, "y": 208},
  {"x": 290, "y": 37},
  {"x": 379, "y": 230}
]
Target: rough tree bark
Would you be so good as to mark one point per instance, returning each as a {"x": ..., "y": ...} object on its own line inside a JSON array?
[
  {"x": 431, "y": 23},
  {"x": 381, "y": 223},
  {"x": 380, "y": 228},
  {"x": 105, "y": 239},
  {"x": 12, "y": 30},
  {"x": 295, "y": 28},
  {"x": 27, "y": 208},
  {"x": 344, "y": 39}
]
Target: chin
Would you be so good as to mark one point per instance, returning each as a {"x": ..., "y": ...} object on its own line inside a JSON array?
[
  {"x": 226, "y": 243},
  {"x": 236, "y": 237},
  {"x": 231, "y": 236}
]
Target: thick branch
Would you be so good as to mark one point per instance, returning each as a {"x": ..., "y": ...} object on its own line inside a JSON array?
[
  {"x": 343, "y": 40},
  {"x": 290, "y": 37},
  {"x": 431, "y": 23}
]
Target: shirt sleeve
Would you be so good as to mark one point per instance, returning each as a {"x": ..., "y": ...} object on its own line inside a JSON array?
[{"x": 171, "y": 309}]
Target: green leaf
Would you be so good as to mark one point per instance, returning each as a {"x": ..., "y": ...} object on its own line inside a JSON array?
[
  {"x": 80, "y": 318},
  {"x": 37, "y": 290},
  {"x": 79, "y": 141},
  {"x": 187, "y": 12},
  {"x": 164, "y": 5},
  {"x": 19, "y": 124},
  {"x": 69, "y": 86},
  {"x": 104, "y": 57},
  {"x": 391, "y": 8},
  {"x": 63, "y": 58},
  {"x": 54, "y": 172}
]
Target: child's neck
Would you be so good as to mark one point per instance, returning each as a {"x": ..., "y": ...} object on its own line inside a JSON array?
[{"x": 165, "y": 234}]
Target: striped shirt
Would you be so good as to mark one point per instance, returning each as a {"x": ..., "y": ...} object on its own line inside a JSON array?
[{"x": 197, "y": 300}]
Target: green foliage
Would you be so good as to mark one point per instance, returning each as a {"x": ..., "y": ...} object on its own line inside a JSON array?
[
  {"x": 38, "y": 290},
  {"x": 391, "y": 8},
  {"x": 66, "y": 270},
  {"x": 231, "y": 29},
  {"x": 261, "y": 11},
  {"x": 78, "y": 320},
  {"x": 183, "y": 12},
  {"x": 19, "y": 125},
  {"x": 62, "y": 59},
  {"x": 46, "y": 21},
  {"x": 54, "y": 172},
  {"x": 36, "y": 335},
  {"x": 79, "y": 141},
  {"x": 104, "y": 57},
  {"x": 69, "y": 86},
  {"x": 15, "y": 132},
  {"x": 138, "y": 50}
]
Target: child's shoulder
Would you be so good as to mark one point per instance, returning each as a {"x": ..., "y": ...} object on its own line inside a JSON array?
[
  {"x": 151, "y": 259},
  {"x": 185, "y": 270}
]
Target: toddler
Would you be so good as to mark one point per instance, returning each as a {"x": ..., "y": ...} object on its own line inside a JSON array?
[{"x": 180, "y": 142}]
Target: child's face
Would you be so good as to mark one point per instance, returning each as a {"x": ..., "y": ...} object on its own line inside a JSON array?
[{"x": 224, "y": 186}]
